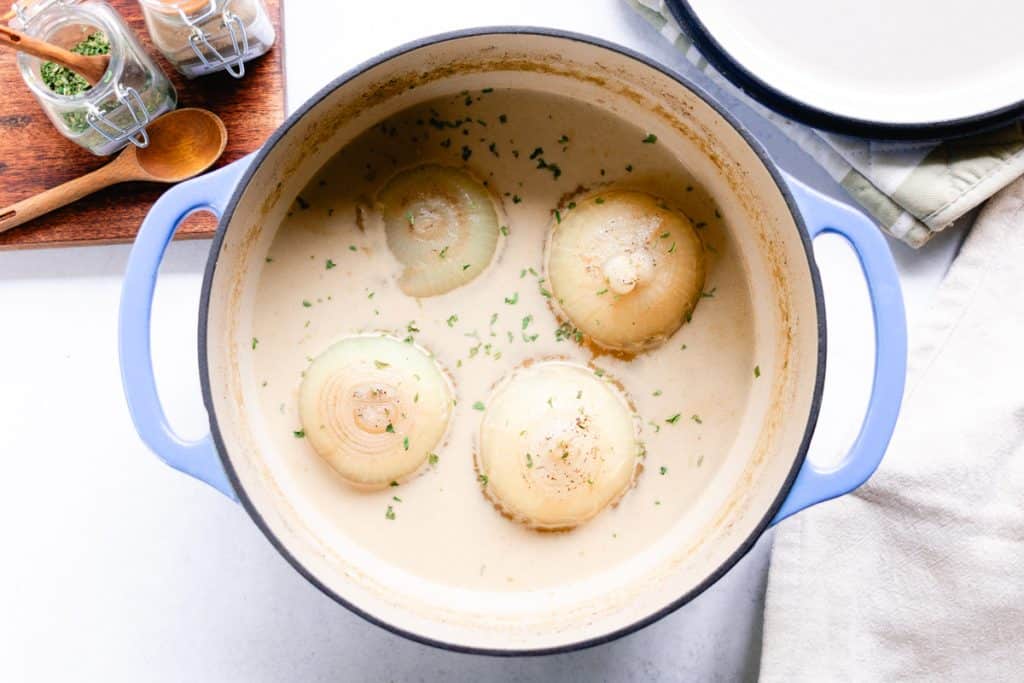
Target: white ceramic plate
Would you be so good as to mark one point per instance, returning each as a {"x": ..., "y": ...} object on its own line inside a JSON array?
[{"x": 904, "y": 69}]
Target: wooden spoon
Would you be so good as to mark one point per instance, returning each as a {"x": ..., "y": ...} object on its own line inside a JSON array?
[
  {"x": 182, "y": 144},
  {"x": 89, "y": 67}
]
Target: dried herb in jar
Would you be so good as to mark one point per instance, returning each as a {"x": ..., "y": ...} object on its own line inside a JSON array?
[{"x": 63, "y": 80}]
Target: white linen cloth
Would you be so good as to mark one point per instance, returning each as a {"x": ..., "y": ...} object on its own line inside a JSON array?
[{"x": 919, "y": 574}]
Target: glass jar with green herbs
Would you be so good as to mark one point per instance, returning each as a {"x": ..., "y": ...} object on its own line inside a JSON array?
[
  {"x": 204, "y": 36},
  {"x": 114, "y": 112}
]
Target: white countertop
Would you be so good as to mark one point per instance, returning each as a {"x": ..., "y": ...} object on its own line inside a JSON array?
[{"x": 118, "y": 568}]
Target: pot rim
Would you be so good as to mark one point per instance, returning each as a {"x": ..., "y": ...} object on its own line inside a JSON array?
[{"x": 211, "y": 265}]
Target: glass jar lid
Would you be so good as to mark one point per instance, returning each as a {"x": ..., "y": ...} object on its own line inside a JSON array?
[{"x": 199, "y": 16}]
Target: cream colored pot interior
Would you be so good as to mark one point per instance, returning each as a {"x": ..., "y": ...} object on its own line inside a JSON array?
[{"x": 727, "y": 499}]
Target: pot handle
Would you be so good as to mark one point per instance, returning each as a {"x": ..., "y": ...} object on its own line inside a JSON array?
[
  {"x": 823, "y": 214},
  {"x": 211, "y": 192}
]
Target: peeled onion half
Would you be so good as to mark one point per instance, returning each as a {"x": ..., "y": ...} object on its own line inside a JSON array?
[
  {"x": 441, "y": 224},
  {"x": 625, "y": 269},
  {"x": 557, "y": 445},
  {"x": 374, "y": 408}
]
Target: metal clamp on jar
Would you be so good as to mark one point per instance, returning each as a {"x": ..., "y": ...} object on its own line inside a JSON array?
[
  {"x": 204, "y": 36},
  {"x": 114, "y": 112}
]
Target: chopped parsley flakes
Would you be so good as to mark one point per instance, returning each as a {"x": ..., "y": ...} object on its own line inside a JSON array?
[{"x": 567, "y": 331}]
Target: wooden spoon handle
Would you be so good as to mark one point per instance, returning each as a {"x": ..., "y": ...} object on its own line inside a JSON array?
[
  {"x": 59, "y": 196},
  {"x": 90, "y": 68}
]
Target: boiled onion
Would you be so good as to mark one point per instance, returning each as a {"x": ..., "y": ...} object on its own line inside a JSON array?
[
  {"x": 441, "y": 224},
  {"x": 625, "y": 269},
  {"x": 557, "y": 445},
  {"x": 374, "y": 408}
]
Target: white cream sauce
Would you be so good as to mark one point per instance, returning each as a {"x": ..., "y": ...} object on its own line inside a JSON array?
[{"x": 329, "y": 274}]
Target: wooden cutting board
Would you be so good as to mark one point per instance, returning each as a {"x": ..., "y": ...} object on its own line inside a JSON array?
[{"x": 34, "y": 156}]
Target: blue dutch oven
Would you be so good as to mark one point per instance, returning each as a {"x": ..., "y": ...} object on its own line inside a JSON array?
[{"x": 760, "y": 481}]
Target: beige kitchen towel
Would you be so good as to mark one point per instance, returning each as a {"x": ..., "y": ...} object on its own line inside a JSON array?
[
  {"x": 919, "y": 574},
  {"x": 912, "y": 190}
]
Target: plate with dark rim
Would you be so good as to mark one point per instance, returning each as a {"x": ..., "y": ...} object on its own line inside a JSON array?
[{"x": 910, "y": 70}]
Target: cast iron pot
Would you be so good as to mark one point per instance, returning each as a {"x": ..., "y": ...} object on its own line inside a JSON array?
[{"x": 772, "y": 218}]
